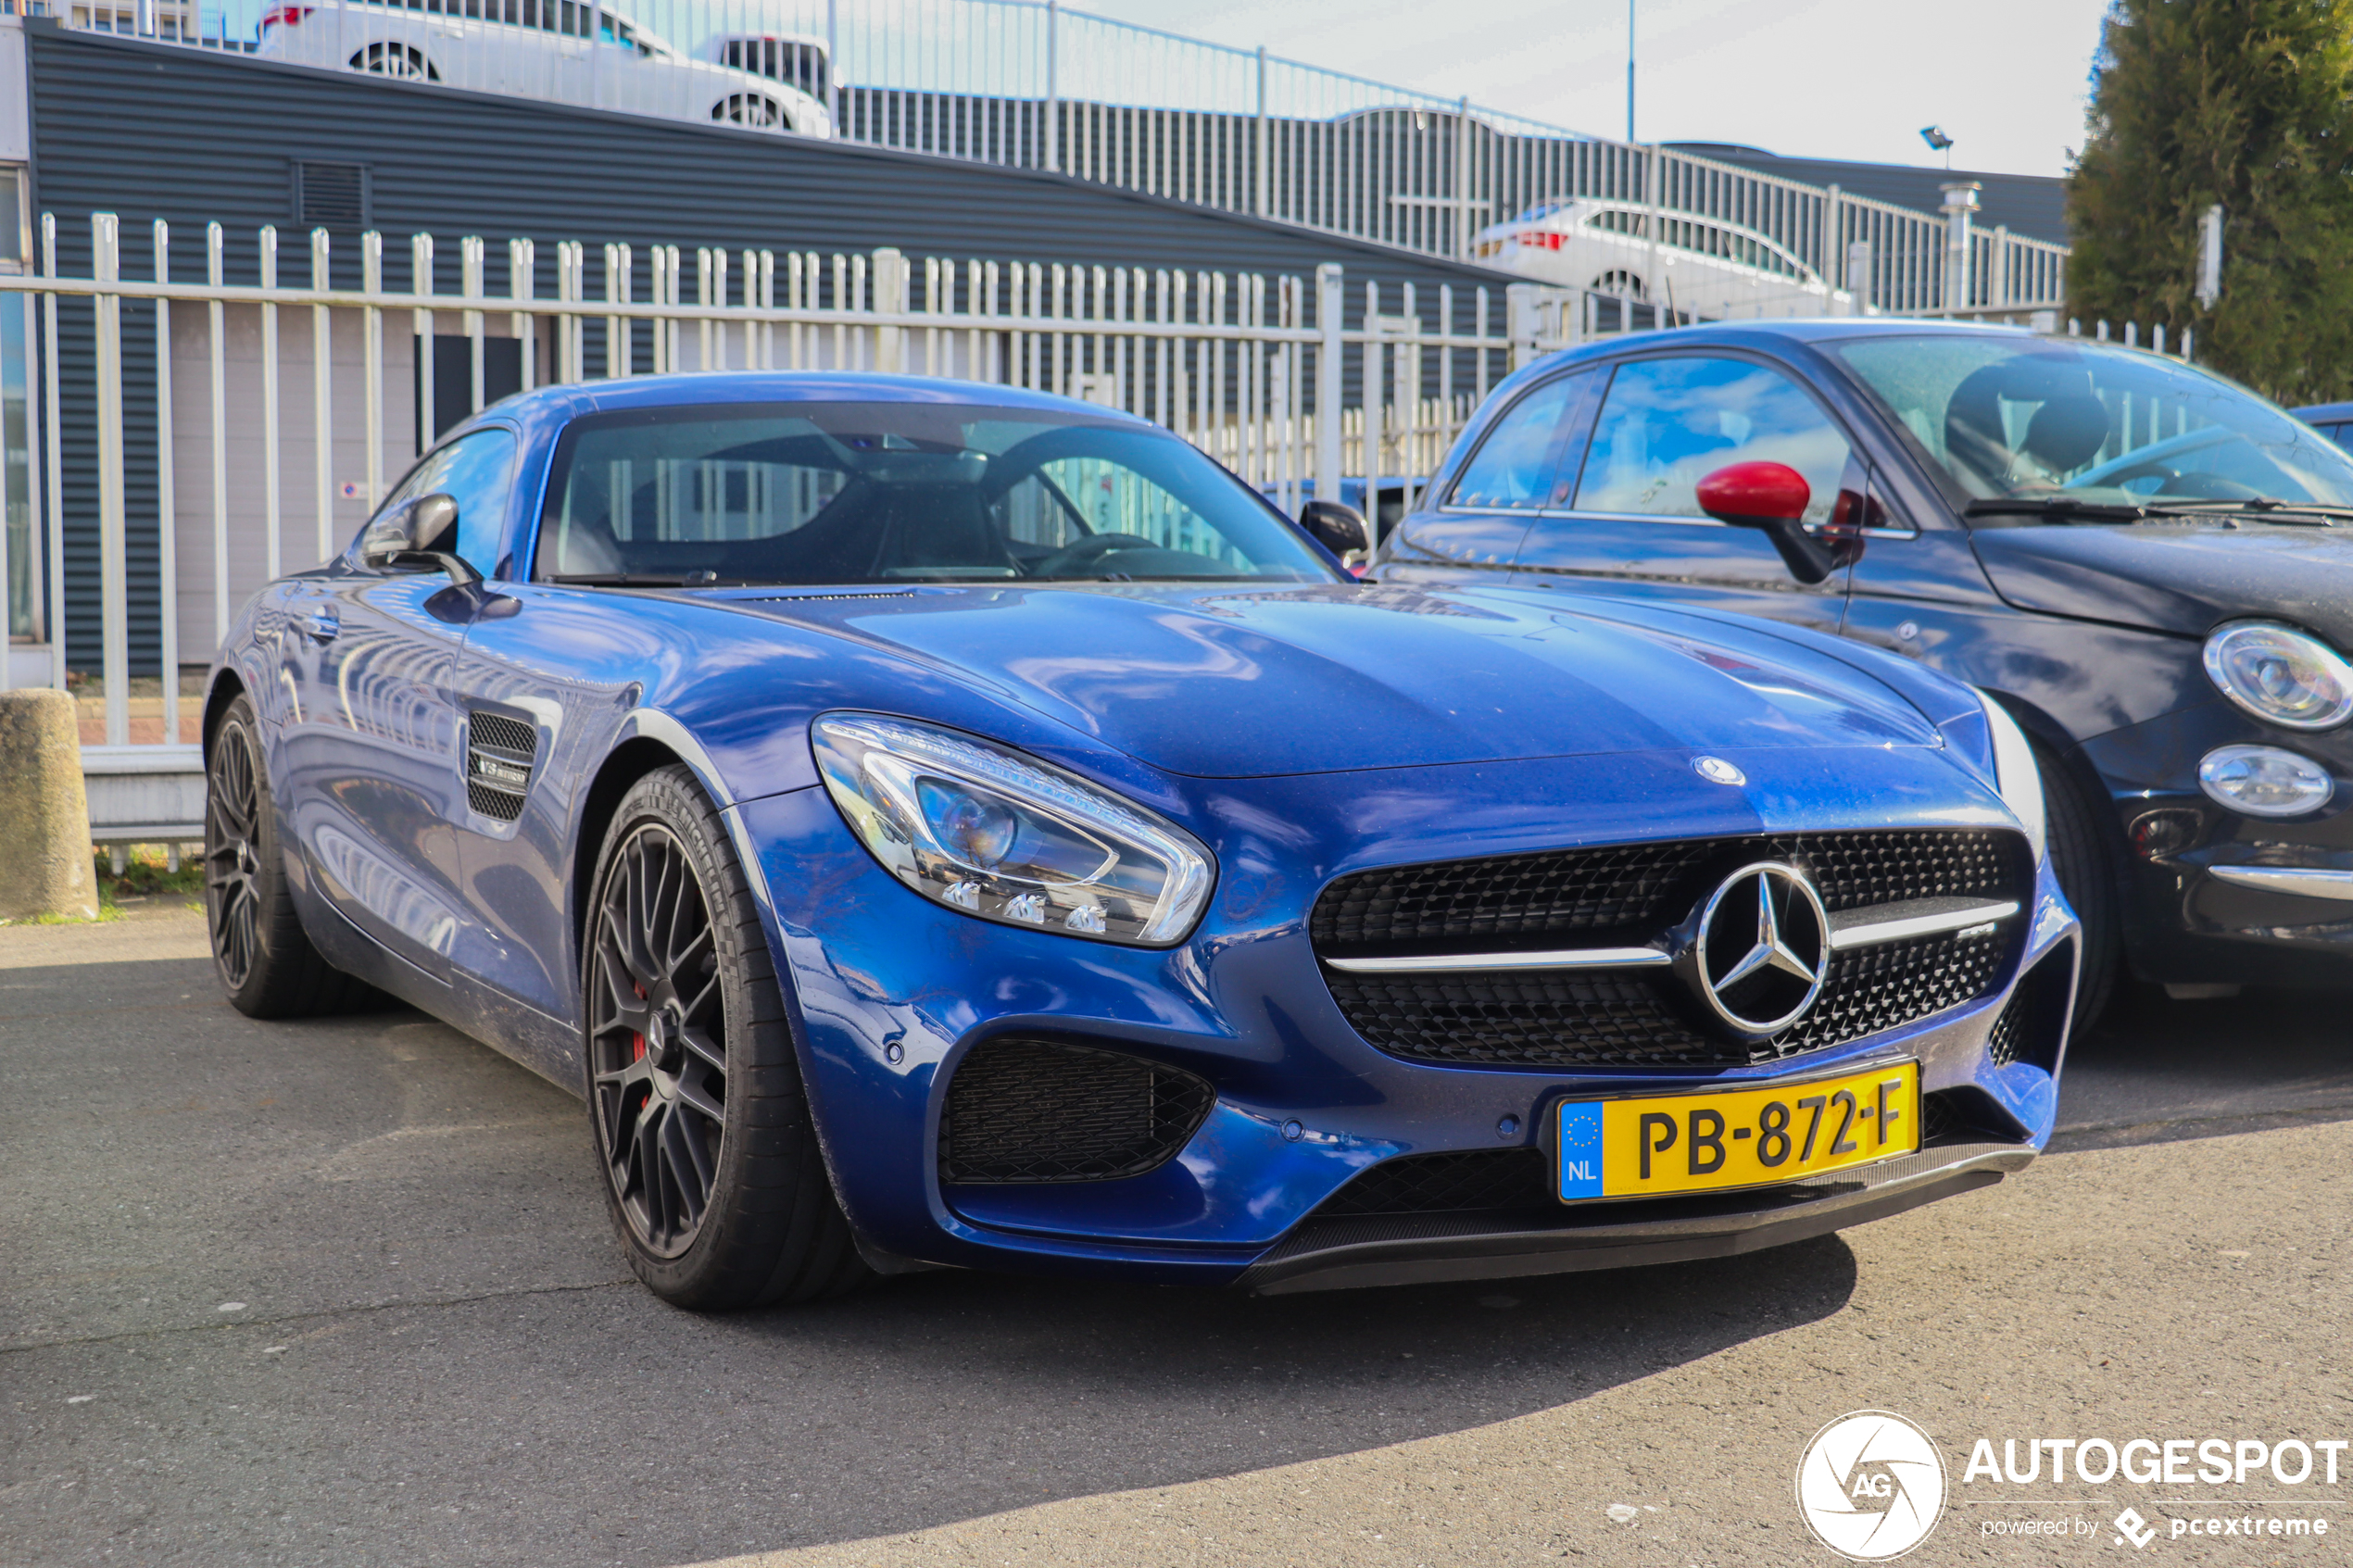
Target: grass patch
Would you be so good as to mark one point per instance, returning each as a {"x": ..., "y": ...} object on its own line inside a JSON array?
[{"x": 146, "y": 874}]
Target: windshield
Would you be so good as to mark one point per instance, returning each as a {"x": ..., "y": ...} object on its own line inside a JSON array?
[
  {"x": 2051, "y": 423},
  {"x": 802, "y": 493}
]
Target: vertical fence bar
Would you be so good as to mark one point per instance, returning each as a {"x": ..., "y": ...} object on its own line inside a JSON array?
[
  {"x": 371, "y": 354},
  {"x": 1330, "y": 292},
  {"x": 272, "y": 501},
  {"x": 55, "y": 465},
  {"x": 114, "y": 586},
  {"x": 215, "y": 314},
  {"x": 470, "y": 284},
  {"x": 523, "y": 283},
  {"x": 421, "y": 284},
  {"x": 322, "y": 425},
  {"x": 1376, "y": 435},
  {"x": 167, "y": 504}
]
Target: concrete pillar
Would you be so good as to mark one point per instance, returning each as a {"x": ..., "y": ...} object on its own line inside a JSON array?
[{"x": 44, "y": 817}]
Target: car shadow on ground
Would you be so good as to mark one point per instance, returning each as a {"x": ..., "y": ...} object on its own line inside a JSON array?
[{"x": 2155, "y": 1070}]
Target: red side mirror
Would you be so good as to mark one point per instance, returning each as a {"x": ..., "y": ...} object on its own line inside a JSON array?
[
  {"x": 1773, "y": 498},
  {"x": 1754, "y": 493}
]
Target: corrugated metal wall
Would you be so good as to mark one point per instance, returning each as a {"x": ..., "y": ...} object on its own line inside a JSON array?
[{"x": 151, "y": 130}]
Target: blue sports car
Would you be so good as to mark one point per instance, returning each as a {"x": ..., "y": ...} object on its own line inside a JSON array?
[{"x": 939, "y": 825}]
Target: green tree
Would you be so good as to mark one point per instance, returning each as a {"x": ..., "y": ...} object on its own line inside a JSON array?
[{"x": 2241, "y": 102}]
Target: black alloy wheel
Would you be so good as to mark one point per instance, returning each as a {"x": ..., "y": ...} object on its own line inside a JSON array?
[
  {"x": 712, "y": 1172},
  {"x": 657, "y": 1041},
  {"x": 264, "y": 958},
  {"x": 231, "y": 860}
]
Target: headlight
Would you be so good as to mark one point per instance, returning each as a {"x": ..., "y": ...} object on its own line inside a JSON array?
[
  {"x": 2280, "y": 674},
  {"x": 2017, "y": 774},
  {"x": 986, "y": 829},
  {"x": 2263, "y": 781}
]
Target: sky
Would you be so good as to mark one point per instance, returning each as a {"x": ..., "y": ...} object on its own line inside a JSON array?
[{"x": 1834, "y": 79}]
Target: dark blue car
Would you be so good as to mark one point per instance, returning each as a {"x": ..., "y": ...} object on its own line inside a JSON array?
[
  {"x": 2147, "y": 565},
  {"x": 938, "y": 826}
]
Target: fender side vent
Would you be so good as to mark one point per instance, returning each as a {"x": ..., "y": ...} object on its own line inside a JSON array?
[
  {"x": 1040, "y": 1110},
  {"x": 499, "y": 752}
]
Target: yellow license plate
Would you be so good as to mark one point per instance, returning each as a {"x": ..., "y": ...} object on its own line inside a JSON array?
[{"x": 1646, "y": 1145}]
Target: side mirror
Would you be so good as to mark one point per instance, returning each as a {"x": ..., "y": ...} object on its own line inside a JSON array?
[
  {"x": 413, "y": 532},
  {"x": 1338, "y": 527},
  {"x": 1772, "y": 497}
]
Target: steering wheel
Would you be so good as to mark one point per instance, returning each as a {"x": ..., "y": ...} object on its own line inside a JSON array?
[{"x": 1087, "y": 550}]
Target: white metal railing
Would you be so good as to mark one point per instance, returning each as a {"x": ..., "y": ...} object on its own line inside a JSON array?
[
  {"x": 282, "y": 407},
  {"x": 1028, "y": 84}
]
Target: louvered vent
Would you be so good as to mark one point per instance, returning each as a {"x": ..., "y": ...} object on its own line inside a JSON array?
[{"x": 331, "y": 195}]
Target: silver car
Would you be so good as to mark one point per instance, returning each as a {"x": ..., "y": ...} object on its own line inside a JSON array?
[{"x": 556, "y": 50}]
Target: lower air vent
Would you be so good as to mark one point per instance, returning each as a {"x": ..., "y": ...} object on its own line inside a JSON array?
[
  {"x": 1441, "y": 1184},
  {"x": 2033, "y": 1025},
  {"x": 1040, "y": 1110},
  {"x": 499, "y": 759}
]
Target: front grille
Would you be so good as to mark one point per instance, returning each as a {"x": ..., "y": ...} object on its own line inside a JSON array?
[
  {"x": 1597, "y": 897},
  {"x": 1040, "y": 1110}
]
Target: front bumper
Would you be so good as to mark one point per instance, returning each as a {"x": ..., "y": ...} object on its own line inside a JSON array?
[
  {"x": 2215, "y": 897},
  {"x": 890, "y": 992},
  {"x": 1380, "y": 1250}
]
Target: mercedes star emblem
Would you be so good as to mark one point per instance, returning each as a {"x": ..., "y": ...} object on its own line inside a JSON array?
[
  {"x": 1715, "y": 769},
  {"x": 1759, "y": 948}
]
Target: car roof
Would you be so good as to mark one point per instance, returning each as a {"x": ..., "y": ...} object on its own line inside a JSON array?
[
  {"x": 2324, "y": 412},
  {"x": 572, "y": 399}
]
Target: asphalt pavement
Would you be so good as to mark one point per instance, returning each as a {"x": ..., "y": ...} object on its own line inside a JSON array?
[{"x": 342, "y": 1292}]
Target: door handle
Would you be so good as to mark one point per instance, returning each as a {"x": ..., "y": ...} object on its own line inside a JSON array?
[{"x": 322, "y": 625}]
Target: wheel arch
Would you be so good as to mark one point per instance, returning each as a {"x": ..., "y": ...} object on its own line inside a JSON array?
[{"x": 227, "y": 687}]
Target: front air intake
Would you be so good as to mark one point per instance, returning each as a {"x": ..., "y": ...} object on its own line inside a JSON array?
[{"x": 1041, "y": 1110}]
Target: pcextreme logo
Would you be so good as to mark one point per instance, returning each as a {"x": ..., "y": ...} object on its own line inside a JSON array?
[{"x": 1870, "y": 1486}]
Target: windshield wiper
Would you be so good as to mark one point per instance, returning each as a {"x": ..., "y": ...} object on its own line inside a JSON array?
[
  {"x": 2056, "y": 506},
  {"x": 616, "y": 580},
  {"x": 2270, "y": 508}
]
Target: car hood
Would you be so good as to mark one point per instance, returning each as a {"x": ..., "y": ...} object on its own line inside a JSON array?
[
  {"x": 1248, "y": 682},
  {"x": 2181, "y": 577}
]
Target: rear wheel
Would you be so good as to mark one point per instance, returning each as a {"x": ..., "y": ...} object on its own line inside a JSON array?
[
  {"x": 396, "y": 60},
  {"x": 752, "y": 110},
  {"x": 265, "y": 961},
  {"x": 713, "y": 1174},
  {"x": 2085, "y": 866}
]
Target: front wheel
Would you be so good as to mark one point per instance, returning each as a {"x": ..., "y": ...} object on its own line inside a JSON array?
[{"x": 711, "y": 1170}]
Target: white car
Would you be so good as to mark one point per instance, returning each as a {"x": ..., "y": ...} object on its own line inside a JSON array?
[
  {"x": 1699, "y": 267},
  {"x": 543, "y": 49}
]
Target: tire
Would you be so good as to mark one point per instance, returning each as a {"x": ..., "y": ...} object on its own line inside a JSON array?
[
  {"x": 396, "y": 60},
  {"x": 2085, "y": 864},
  {"x": 751, "y": 109},
  {"x": 711, "y": 1170},
  {"x": 265, "y": 961}
]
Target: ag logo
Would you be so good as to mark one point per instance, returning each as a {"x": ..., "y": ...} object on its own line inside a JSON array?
[{"x": 1870, "y": 1486}]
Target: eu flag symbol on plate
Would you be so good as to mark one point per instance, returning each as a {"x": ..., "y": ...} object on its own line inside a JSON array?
[{"x": 1580, "y": 1151}]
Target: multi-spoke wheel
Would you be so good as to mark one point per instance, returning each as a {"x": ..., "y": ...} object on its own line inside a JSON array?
[
  {"x": 267, "y": 966},
  {"x": 712, "y": 1167},
  {"x": 657, "y": 1041}
]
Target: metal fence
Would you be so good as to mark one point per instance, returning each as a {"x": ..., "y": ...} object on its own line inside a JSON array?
[
  {"x": 237, "y": 429},
  {"x": 1028, "y": 84}
]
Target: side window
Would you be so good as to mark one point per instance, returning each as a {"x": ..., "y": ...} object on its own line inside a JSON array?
[
  {"x": 478, "y": 473},
  {"x": 1666, "y": 424},
  {"x": 1513, "y": 468}
]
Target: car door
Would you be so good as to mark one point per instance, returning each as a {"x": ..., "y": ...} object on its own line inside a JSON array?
[
  {"x": 370, "y": 748},
  {"x": 1633, "y": 525},
  {"x": 1474, "y": 530}
]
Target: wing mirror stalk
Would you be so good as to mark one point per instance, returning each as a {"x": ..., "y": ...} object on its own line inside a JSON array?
[
  {"x": 1771, "y": 498},
  {"x": 405, "y": 535}
]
